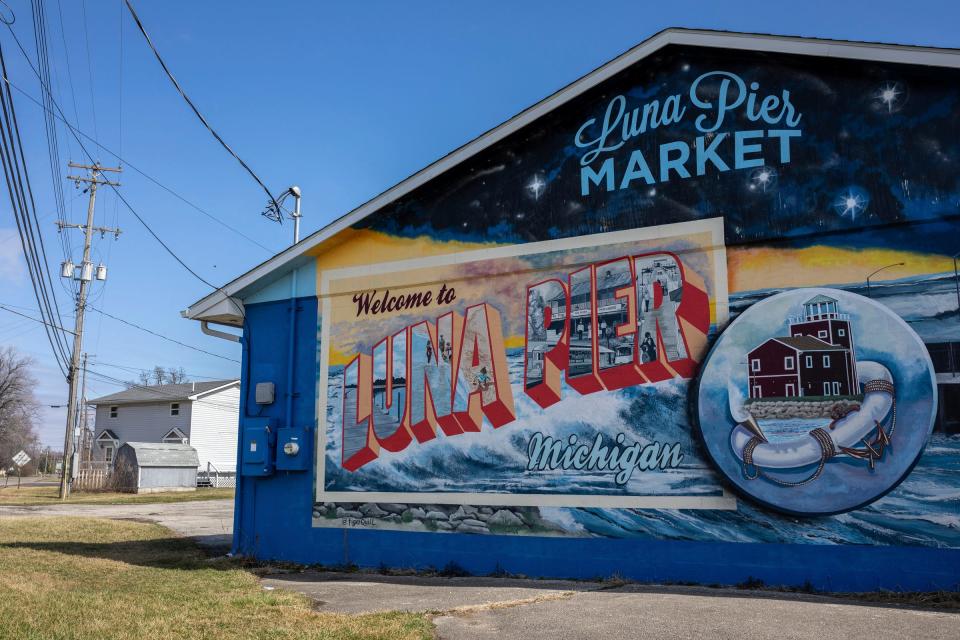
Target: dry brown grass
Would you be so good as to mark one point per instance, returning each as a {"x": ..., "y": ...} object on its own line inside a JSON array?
[
  {"x": 87, "y": 578},
  {"x": 33, "y": 496}
]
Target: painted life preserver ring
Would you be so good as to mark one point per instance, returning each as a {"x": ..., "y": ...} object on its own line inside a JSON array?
[{"x": 818, "y": 446}]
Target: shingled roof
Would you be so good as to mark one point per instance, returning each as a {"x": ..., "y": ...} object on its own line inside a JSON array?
[
  {"x": 809, "y": 343},
  {"x": 163, "y": 392}
]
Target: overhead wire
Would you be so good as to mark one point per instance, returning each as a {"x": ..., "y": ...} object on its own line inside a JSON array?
[
  {"x": 86, "y": 39},
  {"x": 160, "y": 335},
  {"x": 194, "y": 108},
  {"x": 116, "y": 191},
  {"x": 28, "y": 317},
  {"x": 24, "y": 209},
  {"x": 127, "y": 164},
  {"x": 159, "y": 392}
]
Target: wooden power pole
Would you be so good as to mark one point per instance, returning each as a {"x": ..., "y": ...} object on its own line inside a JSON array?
[{"x": 86, "y": 275}]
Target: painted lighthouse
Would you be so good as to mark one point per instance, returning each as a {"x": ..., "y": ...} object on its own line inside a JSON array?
[{"x": 816, "y": 359}]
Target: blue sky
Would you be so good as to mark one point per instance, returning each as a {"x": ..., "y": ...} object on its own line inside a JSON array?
[{"x": 343, "y": 99}]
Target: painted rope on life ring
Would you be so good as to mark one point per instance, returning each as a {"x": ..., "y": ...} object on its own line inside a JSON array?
[{"x": 816, "y": 401}]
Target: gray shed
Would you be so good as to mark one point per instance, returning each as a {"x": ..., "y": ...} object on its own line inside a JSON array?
[{"x": 146, "y": 467}]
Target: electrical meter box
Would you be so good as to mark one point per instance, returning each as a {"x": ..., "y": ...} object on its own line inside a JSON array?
[
  {"x": 293, "y": 448},
  {"x": 257, "y": 450}
]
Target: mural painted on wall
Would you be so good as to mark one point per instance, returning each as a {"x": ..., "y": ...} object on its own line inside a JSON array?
[
  {"x": 827, "y": 414},
  {"x": 489, "y": 362},
  {"x": 528, "y": 364}
]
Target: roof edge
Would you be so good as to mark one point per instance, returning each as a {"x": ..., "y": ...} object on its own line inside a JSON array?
[
  {"x": 199, "y": 395},
  {"x": 213, "y": 307}
]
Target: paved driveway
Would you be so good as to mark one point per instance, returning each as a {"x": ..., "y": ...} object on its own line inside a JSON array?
[{"x": 209, "y": 522}]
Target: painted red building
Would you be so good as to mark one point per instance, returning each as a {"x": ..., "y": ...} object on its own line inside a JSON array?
[{"x": 816, "y": 359}]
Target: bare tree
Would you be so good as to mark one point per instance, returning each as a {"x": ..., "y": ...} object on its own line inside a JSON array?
[
  {"x": 160, "y": 375},
  {"x": 18, "y": 407},
  {"x": 176, "y": 375}
]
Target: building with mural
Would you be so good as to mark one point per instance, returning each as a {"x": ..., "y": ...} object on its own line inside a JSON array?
[{"x": 537, "y": 354}]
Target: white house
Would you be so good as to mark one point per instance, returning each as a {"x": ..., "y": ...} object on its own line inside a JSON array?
[{"x": 204, "y": 415}]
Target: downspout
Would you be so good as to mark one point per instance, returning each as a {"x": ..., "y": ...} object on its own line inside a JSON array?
[{"x": 291, "y": 369}]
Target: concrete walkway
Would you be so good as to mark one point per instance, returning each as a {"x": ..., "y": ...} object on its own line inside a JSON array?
[
  {"x": 481, "y": 608},
  {"x": 209, "y": 522}
]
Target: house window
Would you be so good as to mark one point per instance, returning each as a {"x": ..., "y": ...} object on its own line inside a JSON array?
[
  {"x": 841, "y": 332},
  {"x": 809, "y": 360},
  {"x": 791, "y": 391},
  {"x": 788, "y": 363},
  {"x": 755, "y": 365},
  {"x": 757, "y": 393},
  {"x": 114, "y": 411},
  {"x": 826, "y": 362},
  {"x": 108, "y": 455},
  {"x": 174, "y": 408},
  {"x": 821, "y": 334},
  {"x": 826, "y": 388}
]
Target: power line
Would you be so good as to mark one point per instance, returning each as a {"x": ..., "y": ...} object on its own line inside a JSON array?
[
  {"x": 23, "y": 315},
  {"x": 24, "y": 210},
  {"x": 160, "y": 335},
  {"x": 159, "y": 391},
  {"x": 146, "y": 175},
  {"x": 196, "y": 111},
  {"x": 115, "y": 190},
  {"x": 138, "y": 370},
  {"x": 86, "y": 39}
]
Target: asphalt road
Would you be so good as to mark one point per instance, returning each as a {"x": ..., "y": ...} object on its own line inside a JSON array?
[
  {"x": 30, "y": 481},
  {"x": 497, "y": 608}
]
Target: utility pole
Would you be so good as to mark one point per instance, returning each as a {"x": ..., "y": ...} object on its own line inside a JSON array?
[
  {"x": 82, "y": 408},
  {"x": 94, "y": 179}
]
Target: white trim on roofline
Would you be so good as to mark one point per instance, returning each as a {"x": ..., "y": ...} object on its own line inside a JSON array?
[
  {"x": 197, "y": 396},
  {"x": 221, "y": 307}
]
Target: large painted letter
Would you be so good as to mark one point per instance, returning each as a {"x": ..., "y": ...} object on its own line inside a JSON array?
[
  {"x": 583, "y": 360},
  {"x": 360, "y": 444},
  {"x": 390, "y": 393},
  {"x": 617, "y": 324},
  {"x": 482, "y": 385},
  {"x": 547, "y": 340},
  {"x": 673, "y": 317},
  {"x": 431, "y": 378}
]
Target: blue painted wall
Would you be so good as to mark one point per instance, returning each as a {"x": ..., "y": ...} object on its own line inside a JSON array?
[{"x": 273, "y": 514}]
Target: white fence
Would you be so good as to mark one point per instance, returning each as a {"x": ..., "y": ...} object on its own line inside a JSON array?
[
  {"x": 215, "y": 478},
  {"x": 92, "y": 476}
]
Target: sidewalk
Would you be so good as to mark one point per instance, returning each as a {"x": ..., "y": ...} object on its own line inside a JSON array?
[{"x": 497, "y": 608}]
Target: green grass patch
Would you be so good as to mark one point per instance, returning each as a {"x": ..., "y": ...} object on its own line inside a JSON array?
[
  {"x": 88, "y": 578},
  {"x": 32, "y": 496}
]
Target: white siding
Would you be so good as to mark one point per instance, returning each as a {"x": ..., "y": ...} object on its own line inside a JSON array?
[
  {"x": 213, "y": 430},
  {"x": 147, "y": 422}
]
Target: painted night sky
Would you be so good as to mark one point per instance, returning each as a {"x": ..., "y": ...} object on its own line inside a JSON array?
[{"x": 880, "y": 147}]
